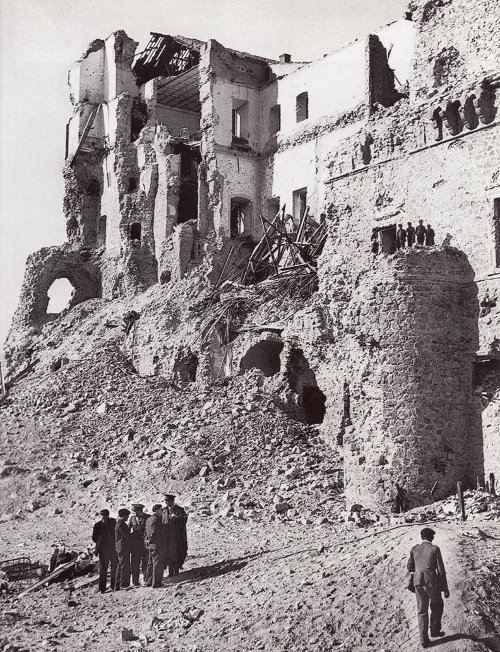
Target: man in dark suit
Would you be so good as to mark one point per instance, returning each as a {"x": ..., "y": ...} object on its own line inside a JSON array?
[
  {"x": 103, "y": 535},
  {"x": 174, "y": 521},
  {"x": 429, "y": 579},
  {"x": 139, "y": 553},
  {"x": 122, "y": 546},
  {"x": 155, "y": 543}
]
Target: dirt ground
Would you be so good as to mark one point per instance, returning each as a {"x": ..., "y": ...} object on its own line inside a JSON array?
[
  {"x": 305, "y": 581},
  {"x": 281, "y": 586}
]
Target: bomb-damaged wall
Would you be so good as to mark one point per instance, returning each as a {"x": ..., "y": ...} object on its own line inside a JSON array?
[
  {"x": 448, "y": 55},
  {"x": 407, "y": 353}
]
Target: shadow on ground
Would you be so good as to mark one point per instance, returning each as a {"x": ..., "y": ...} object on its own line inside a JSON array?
[
  {"x": 214, "y": 570},
  {"x": 491, "y": 642}
]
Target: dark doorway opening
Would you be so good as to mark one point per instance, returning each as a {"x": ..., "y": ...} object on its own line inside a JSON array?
[
  {"x": 386, "y": 236},
  {"x": 265, "y": 356},
  {"x": 313, "y": 404}
]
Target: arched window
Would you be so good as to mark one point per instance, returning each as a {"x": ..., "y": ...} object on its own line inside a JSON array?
[
  {"x": 241, "y": 216},
  {"x": 302, "y": 106}
]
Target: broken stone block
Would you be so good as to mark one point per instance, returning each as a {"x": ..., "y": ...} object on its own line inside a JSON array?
[
  {"x": 127, "y": 634},
  {"x": 281, "y": 508},
  {"x": 102, "y": 408},
  {"x": 204, "y": 471},
  {"x": 292, "y": 473}
]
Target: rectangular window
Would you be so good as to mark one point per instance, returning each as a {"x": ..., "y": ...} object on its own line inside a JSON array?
[
  {"x": 302, "y": 106},
  {"x": 275, "y": 119},
  {"x": 299, "y": 203},
  {"x": 496, "y": 222},
  {"x": 240, "y": 121}
]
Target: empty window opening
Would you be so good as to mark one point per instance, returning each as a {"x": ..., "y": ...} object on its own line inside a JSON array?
[
  {"x": 60, "y": 295},
  {"x": 241, "y": 216},
  {"x": 101, "y": 231},
  {"x": 240, "y": 122},
  {"x": 133, "y": 184},
  {"x": 302, "y": 106},
  {"x": 496, "y": 221},
  {"x": 386, "y": 239},
  {"x": 299, "y": 203},
  {"x": 275, "y": 119},
  {"x": 313, "y": 404},
  {"x": 265, "y": 356},
  {"x": 139, "y": 118},
  {"x": 94, "y": 188},
  {"x": 135, "y": 232}
]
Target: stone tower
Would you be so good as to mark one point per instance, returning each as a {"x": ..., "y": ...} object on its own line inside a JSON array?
[{"x": 410, "y": 358}]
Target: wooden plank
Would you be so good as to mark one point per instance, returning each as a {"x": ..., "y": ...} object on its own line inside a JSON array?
[
  {"x": 461, "y": 503},
  {"x": 58, "y": 571}
]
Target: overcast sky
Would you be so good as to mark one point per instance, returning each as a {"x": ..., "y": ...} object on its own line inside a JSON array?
[{"x": 40, "y": 39}]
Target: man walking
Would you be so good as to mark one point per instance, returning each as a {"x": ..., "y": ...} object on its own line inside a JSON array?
[
  {"x": 139, "y": 553},
  {"x": 103, "y": 535},
  {"x": 429, "y": 579},
  {"x": 155, "y": 543},
  {"x": 122, "y": 546},
  {"x": 174, "y": 521}
]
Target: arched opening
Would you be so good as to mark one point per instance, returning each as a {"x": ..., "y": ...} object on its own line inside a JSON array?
[
  {"x": 241, "y": 216},
  {"x": 60, "y": 294},
  {"x": 265, "y": 356},
  {"x": 302, "y": 381},
  {"x": 101, "y": 231},
  {"x": 313, "y": 404},
  {"x": 302, "y": 106},
  {"x": 135, "y": 232}
]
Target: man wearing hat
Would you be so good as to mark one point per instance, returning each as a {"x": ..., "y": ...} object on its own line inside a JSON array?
[
  {"x": 174, "y": 522},
  {"x": 103, "y": 535},
  {"x": 155, "y": 542},
  {"x": 429, "y": 579},
  {"x": 138, "y": 553},
  {"x": 122, "y": 546}
]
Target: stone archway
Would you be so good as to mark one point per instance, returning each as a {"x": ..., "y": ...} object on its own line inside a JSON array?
[{"x": 46, "y": 266}]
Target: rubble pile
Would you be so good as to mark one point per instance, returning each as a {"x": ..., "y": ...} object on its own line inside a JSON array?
[{"x": 96, "y": 432}]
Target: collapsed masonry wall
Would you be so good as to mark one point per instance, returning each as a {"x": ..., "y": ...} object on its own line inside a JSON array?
[
  {"x": 45, "y": 266},
  {"x": 409, "y": 356}
]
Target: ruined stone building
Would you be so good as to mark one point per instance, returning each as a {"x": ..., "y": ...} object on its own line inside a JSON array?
[{"x": 178, "y": 153}]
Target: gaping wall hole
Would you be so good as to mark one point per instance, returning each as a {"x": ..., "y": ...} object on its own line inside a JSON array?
[
  {"x": 60, "y": 294},
  {"x": 135, "y": 232},
  {"x": 313, "y": 404},
  {"x": 265, "y": 356}
]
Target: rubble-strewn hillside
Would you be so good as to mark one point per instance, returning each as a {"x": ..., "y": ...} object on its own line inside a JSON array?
[{"x": 272, "y": 565}]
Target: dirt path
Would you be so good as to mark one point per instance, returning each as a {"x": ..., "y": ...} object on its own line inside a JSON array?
[{"x": 275, "y": 587}]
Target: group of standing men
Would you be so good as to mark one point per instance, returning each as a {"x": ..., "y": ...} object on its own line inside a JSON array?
[
  {"x": 141, "y": 542},
  {"x": 424, "y": 236}
]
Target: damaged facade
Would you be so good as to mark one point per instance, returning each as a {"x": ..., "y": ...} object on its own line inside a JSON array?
[{"x": 177, "y": 157}]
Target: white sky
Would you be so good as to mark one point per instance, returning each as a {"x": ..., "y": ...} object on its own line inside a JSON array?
[{"x": 40, "y": 39}]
